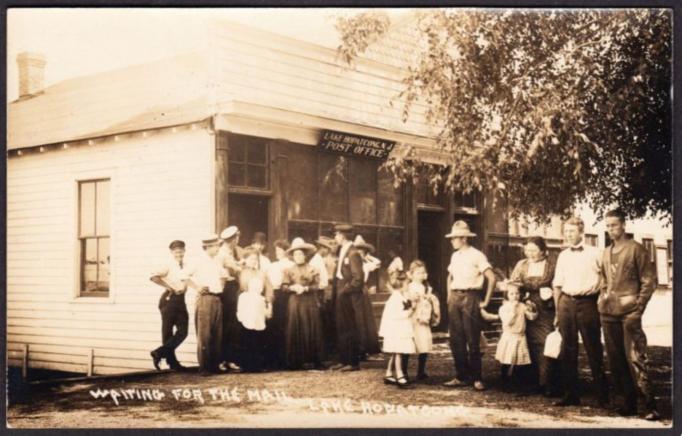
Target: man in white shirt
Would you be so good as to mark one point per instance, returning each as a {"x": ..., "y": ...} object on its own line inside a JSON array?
[
  {"x": 172, "y": 305},
  {"x": 576, "y": 288},
  {"x": 469, "y": 269},
  {"x": 207, "y": 277}
]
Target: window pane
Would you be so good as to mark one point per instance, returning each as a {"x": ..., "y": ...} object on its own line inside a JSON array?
[
  {"x": 235, "y": 174},
  {"x": 103, "y": 265},
  {"x": 333, "y": 182},
  {"x": 257, "y": 152},
  {"x": 256, "y": 176},
  {"x": 363, "y": 187},
  {"x": 237, "y": 152},
  {"x": 103, "y": 208},
  {"x": 305, "y": 230},
  {"x": 87, "y": 209},
  {"x": 89, "y": 262},
  {"x": 302, "y": 188},
  {"x": 390, "y": 200}
]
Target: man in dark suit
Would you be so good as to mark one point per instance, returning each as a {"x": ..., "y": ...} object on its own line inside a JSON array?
[{"x": 348, "y": 279}]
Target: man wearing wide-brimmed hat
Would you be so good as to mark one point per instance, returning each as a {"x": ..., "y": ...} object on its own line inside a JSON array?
[
  {"x": 348, "y": 280},
  {"x": 469, "y": 269},
  {"x": 207, "y": 277}
]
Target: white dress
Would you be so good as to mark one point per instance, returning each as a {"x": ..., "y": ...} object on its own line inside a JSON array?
[
  {"x": 396, "y": 326},
  {"x": 513, "y": 347}
]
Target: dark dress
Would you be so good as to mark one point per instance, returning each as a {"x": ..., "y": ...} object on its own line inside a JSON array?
[
  {"x": 367, "y": 327},
  {"x": 304, "y": 343},
  {"x": 544, "y": 368}
]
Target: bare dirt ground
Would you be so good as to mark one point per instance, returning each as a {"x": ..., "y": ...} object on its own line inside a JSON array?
[{"x": 315, "y": 399}]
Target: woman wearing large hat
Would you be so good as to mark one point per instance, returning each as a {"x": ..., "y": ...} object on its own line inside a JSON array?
[{"x": 304, "y": 344}]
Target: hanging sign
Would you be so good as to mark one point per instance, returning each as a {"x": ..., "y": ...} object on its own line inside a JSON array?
[{"x": 354, "y": 145}]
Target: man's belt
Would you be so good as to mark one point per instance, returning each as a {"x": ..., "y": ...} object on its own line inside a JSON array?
[
  {"x": 466, "y": 290},
  {"x": 582, "y": 297}
]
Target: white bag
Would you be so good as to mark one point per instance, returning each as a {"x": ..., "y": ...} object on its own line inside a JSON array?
[{"x": 553, "y": 344}]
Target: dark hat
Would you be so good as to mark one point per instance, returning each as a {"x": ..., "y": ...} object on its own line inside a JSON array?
[
  {"x": 176, "y": 244},
  {"x": 260, "y": 237},
  {"x": 345, "y": 228}
]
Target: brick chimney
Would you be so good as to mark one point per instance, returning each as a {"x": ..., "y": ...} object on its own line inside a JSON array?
[{"x": 31, "y": 74}]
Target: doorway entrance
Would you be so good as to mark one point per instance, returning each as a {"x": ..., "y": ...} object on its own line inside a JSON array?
[
  {"x": 249, "y": 213},
  {"x": 431, "y": 250}
]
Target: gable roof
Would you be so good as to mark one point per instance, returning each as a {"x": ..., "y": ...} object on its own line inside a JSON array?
[
  {"x": 163, "y": 93},
  {"x": 239, "y": 63}
]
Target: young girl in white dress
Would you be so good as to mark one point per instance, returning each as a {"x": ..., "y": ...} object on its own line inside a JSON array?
[
  {"x": 512, "y": 349},
  {"x": 425, "y": 315},
  {"x": 396, "y": 329}
]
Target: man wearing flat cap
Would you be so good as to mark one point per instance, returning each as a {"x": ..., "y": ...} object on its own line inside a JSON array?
[
  {"x": 469, "y": 269},
  {"x": 207, "y": 277},
  {"x": 348, "y": 281},
  {"x": 172, "y": 306}
]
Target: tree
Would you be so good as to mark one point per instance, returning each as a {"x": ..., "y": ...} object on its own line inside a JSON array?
[{"x": 547, "y": 109}]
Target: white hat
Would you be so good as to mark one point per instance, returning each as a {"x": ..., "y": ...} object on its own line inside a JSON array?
[
  {"x": 229, "y": 233},
  {"x": 359, "y": 242},
  {"x": 300, "y": 244},
  {"x": 210, "y": 240},
  {"x": 459, "y": 229}
]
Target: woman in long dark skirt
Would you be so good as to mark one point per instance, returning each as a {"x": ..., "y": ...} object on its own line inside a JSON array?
[
  {"x": 304, "y": 343},
  {"x": 367, "y": 327},
  {"x": 536, "y": 272}
]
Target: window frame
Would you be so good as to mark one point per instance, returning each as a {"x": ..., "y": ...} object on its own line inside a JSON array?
[
  {"x": 82, "y": 240},
  {"x": 243, "y": 161}
]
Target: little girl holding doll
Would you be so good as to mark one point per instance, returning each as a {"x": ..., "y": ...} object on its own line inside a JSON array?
[
  {"x": 512, "y": 349},
  {"x": 396, "y": 329},
  {"x": 425, "y": 315}
]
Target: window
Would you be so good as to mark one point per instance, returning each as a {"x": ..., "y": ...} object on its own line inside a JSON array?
[
  {"x": 591, "y": 239},
  {"x": 302, "y": 194},
  {"x": 363, "y": 189},
  {"x": 669, "y": 244},
  {"x": 650, "y": 247},
  {"x": 93, "y": 235},
  {"x": 466, "y": 201},
  {"x": 248, "y": 162},
  {"x": 389, "y": 200},
  {"x": 333, "y": 182}
]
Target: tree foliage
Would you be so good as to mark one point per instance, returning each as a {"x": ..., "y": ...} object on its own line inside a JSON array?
[{"x": 547, "y": 109}]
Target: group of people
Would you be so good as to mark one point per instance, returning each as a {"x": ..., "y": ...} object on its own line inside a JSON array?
[
  {"x": 311, "y": 303},
  {"x": 586, "y": 292},
  {"x": 254, "y": 314}
]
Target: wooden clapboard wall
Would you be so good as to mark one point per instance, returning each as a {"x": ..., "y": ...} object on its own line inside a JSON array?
[{"x": 161, "y": 189}]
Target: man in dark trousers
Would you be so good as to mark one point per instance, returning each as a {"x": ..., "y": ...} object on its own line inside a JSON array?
[
  {"x": 576, "y": 288},
  {"x": 628, "y": 281},
  {"x": 172, "y": 306},
  {"x": 348, "y": 280}
]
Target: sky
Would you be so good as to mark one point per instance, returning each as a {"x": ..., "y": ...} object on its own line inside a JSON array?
[{"x": 81, "y": 41}]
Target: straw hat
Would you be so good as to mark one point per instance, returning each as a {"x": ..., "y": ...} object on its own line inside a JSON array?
[
  {"x": 459, "y": 229},
  {"x": 300, "y": 244},
  {"x": 325, "y": 242},
  {"x": 229, "y": 233},
  {"x": 359, "y": 242},
  {"x": 210, "y": 240}
]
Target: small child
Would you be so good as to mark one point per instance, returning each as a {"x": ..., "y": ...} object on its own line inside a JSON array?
[
  {"x": 512, "y": 349},
  {"x": 252, "y": 311},
  {"x": 425, "y": 315},
  {"x": 396, "y": 329}
]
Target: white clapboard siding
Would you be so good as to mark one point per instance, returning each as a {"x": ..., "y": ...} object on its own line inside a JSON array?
[
  {"x": 258, "y": 67},
  {"x": 161, "y": 189}
]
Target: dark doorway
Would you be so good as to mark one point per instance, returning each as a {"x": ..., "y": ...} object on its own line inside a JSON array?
[
  {"x": 431, "y": 250},
  {"x": 249, "y": 213}
]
